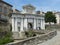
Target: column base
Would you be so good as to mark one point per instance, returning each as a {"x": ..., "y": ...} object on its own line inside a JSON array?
[{"x": 18, "y": 35}]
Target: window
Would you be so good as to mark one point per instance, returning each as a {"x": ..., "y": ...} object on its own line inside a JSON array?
[
  {"x": 5, "y": 10},
  {"x": 0, "y": 9}
]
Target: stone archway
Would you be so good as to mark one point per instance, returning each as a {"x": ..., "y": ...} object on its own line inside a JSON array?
[{"x": 30, "y": 25}]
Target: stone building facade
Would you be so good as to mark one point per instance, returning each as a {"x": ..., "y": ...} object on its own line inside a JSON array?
[
  {"x": 5, "y": 10},
  {"x": 57, "y": 14},
  {"x": 26, "y": 20}
]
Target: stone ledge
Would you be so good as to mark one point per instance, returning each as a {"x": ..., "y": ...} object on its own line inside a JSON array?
[{"x": 35, "y": 40}]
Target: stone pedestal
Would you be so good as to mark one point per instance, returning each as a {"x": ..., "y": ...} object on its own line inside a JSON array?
[
  {"x": 22, "y": 35},
  {"x": 18, "y": 35}
]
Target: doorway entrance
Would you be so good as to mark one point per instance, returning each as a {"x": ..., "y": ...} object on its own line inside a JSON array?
[{"x": 30, "y": 25}]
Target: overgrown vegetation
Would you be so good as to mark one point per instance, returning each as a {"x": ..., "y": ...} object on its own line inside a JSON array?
[
  {"x": 5, "y": 35},
  {"x": 30, "y": 33},
  {"x": 6, "y": 38}
]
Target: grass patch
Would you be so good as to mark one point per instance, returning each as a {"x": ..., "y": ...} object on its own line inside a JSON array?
[{"x": 6, "y": 38}]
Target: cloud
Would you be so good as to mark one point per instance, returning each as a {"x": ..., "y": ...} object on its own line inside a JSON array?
[
  {"x": 50, "y": 5},
  {"x": 54, "y": 2},
  {"x": 44, "y": 8},
  {"x": 47, "y": 8},
  {"x": 43, "y": 5}
]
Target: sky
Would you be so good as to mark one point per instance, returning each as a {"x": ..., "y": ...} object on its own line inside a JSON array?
[{"x": 41, "y": 5}]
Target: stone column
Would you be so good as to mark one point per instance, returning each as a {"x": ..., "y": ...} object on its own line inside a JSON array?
[
  {"x": 13, "y": 25},
  {"x": 42, "y": 24},
  {"x": 22, "y": 33},
  {"x": 34, "y": 24},
  {"x": 16, "y": 25},
  {"x": 14, "y": 29},
  {"x": 25, "y": 24},
  {"x": 22, "y": 24}
]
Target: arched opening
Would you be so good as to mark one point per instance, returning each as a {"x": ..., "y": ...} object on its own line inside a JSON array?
[{"x": 30, "y": 26}]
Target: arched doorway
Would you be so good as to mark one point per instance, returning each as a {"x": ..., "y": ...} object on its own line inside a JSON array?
[{"x": 30, "y": 26}]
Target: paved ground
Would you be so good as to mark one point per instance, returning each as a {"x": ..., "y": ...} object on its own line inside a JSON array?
[{"x": 54, "y": 41}]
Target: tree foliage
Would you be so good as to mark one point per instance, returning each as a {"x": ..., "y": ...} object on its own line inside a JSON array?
[{"x": 50, "y": 17}]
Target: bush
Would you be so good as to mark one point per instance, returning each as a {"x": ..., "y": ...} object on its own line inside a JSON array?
[
  {"x": 6, "y": 38},
  {"x": 30, "y": 33}
]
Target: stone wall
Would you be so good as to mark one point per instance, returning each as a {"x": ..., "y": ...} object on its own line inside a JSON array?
[
  {"x": 35, "y": 40},
  {"x": 2, "y": 34},
  {"x": 4, "y": 27}
]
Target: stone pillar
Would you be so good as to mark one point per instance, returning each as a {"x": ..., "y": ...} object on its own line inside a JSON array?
[
  {"x": 34, "y": 24},
  {"x": 57, "y": 18},
  {"x": 42, "y": 24},
  {"x": 16, "y": 25},
  {"x": 25, "y": 24},
  {"x": 22, "y": 24},
  {"x": 22, "y": 33},
  {"x": 16, "y": 33},
  {"x": 13, "y": 25}
]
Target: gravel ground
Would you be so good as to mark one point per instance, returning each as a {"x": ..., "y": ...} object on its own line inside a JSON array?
[{"x": 54, "y": 41}]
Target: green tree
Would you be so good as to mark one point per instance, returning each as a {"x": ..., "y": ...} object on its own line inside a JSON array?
[{"x": 50, "y": 17}]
